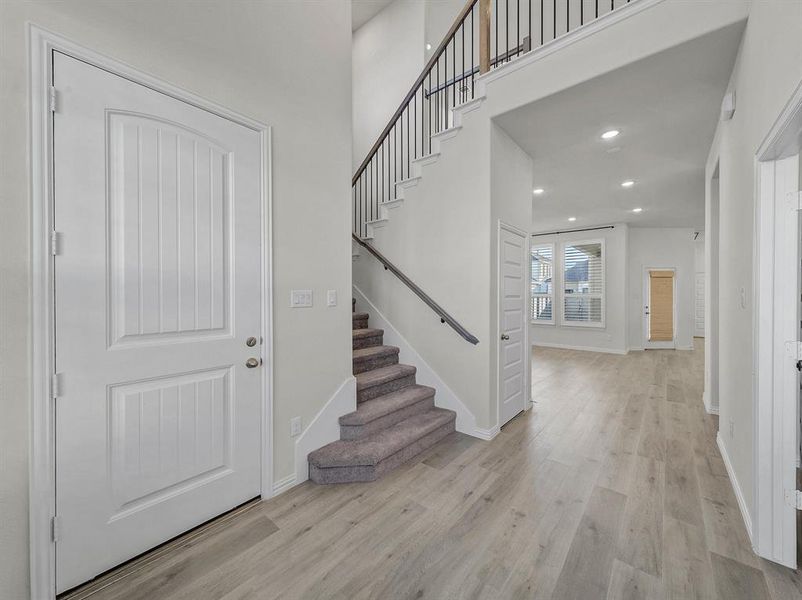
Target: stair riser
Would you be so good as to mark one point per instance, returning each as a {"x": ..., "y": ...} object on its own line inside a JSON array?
[
  {"x": 386, "y": 360},
  {"x": 385, "y": 388},
  {"x": 368, "y": 342},
  {"x": 359, "y": 323},
  {"x": 371, "y": 472},
  {"x": 357, "y": 432}
]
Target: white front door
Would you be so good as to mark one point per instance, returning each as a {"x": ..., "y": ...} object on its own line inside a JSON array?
[
  {"x": 513, "y": 253},
  {"x": 157, "y": 286}
]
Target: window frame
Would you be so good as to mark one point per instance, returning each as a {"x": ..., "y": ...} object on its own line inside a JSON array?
[
  {"x": 554, "y": 288},
  {"x": 602, "y": 296}
]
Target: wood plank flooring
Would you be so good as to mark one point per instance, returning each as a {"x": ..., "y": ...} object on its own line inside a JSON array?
[{"x": 610, "y": 488}]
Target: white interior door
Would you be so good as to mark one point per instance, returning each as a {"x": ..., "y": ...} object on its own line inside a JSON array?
[
  {"x": 158, "y": 285},
  {"x": 512, "y": 307}
]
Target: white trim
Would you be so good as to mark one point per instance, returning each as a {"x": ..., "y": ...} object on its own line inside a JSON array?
[
  {"x": 553, "y": 321},
  {"x": 590, "y": 324},
  {"x": 646, "y": 297},
  {"x": 284, "y": 484},
  {"x": 42, "y": 504},
  {"x": 775, "y": 418},
  {"x": 711, "y": 410},
  {"x": 527, "y": 279},
  {"x": 425, "y": 375},
  {"x": 486, "y": 434},
  {"x": 736, "y": 487},
  {"x": 583, "y": 348},
  {"x": 593, "y": 27},
  {"x": 324, "y": 428}
]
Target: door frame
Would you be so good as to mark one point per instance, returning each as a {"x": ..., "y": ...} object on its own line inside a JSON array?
[
  {"x": 645, "y": 320},
  {"x": 774, "y": 406},
  {"x": 526, "y": 299},
  {"x": 42, "y": 462}
]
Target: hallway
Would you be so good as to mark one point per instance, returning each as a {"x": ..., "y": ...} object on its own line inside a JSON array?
[{"x": 611, "y": 487}]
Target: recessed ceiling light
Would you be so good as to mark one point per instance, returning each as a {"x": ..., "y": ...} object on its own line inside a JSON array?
[
  {"x": 538, "y": 191},
  {"x": 572, "y": 219},
  {"x": 428, "y": 46},
  {"x": 608, "y": 135},
  {"x": 627, "y": 183},
  {"x": 637, "y": 210}
]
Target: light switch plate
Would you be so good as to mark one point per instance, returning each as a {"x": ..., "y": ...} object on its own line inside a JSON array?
[
  {"x": 295, "y": 426},
  {"x": 331, "y": 298},
  {"x": 301, "y": 298}
]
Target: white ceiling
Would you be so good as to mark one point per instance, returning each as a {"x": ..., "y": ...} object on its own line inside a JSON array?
[
  {"x": 363, "y": 11},
  {"x": 666, "y": 107}
]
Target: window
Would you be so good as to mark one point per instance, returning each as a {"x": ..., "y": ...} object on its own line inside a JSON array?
[
  {"x": 583, "y": 283},
  {"x": 542, "y": 283}
]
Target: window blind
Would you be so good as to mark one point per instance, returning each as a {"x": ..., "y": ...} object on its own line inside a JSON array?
[{"x": 583, "y": 283}]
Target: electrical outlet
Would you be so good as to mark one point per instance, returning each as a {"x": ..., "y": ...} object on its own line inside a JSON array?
[
  {"x": 295, "y": 426},
  {"x": 301, "y": 298},
  {"x": 331, "y": 298}
]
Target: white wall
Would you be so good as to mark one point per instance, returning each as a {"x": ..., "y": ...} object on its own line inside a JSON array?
[
  {"x": 387, "y": 57},
  {"x": 764, "y": 78},
  {"x": 662, "y": 247},
  {"x": 510, "y": 203},
  {"x": 284, "y": 63},
  {"x": 613, "y": 336}
]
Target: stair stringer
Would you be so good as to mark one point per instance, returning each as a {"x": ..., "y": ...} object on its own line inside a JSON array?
[{"x": 426, "y": 375}]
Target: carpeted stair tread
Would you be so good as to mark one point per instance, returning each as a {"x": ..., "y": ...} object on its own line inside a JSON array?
[
  {"x": 358, "y": 334},
  {"x": 383, "y": 375},
  {"x": 363, "y": 354},
  {"x": 383, "y": 444},
  {"x": 387, "y": 404},
  {"x": 359, "y": 316}
]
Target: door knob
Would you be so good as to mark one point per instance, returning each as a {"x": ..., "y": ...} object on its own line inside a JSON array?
[
  {"x": 504, "y": 336},
  {"x": 252, "y": 363}
]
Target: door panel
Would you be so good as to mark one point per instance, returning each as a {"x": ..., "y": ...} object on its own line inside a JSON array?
[
  {"x": 513, "y": 307},
  {"x": 158, "y": 284}
]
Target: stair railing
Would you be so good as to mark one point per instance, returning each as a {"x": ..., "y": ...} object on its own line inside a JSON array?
[
  {"x": 439, "y": 310},
  {"x": 486, "y": 34}
]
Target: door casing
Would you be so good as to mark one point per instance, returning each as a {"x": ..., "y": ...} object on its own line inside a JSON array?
[
  {"x": 42, "y": 492},
  {"x": 646, "y": 299},
  {"x": 776, "y": 277}
]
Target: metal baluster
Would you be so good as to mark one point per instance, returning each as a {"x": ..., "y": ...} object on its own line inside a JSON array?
[{"x": 473, "y": 74}]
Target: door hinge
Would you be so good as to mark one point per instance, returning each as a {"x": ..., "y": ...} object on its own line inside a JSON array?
[
  {"x": 54, "y": 529},
  {"x": 55, "y": 243},
  {"x": 52, "y": 97},
  {"x": 793, "y": 498},
  {"x": 55, "y": 385}
]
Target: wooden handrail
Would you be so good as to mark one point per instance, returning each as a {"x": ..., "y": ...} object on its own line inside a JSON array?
[
  {"x": 414, "y": 89},
  {"x": 439, "y": 310}
]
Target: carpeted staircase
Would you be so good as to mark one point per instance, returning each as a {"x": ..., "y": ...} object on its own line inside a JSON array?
[{"x": 395, "y": 418}]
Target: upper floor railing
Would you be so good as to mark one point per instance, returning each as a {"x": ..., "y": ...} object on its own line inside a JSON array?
[{"x": 485, "y": 35}]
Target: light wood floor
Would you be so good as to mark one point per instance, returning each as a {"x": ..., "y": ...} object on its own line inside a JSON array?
[{"x": 611, "y": 487}]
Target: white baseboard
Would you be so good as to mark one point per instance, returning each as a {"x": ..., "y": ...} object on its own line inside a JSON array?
[
  {"x": 324, "y": 429},
  {"x": 711, "y": 410},
  {"x": 582, "y": 348},
  {"x": 282, "y": 485},
  {"x": 486, "y": 434},
  {"x": 735, "y": 486},
  {"x": 445, "y": 396}
]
